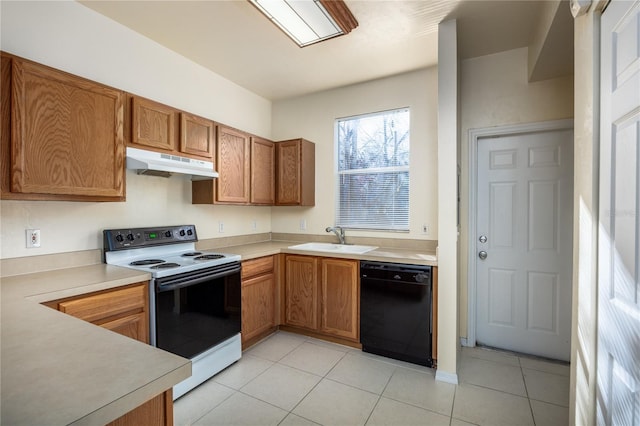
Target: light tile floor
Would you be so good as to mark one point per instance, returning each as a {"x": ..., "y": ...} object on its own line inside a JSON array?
[{"x": 288, "y": 379}]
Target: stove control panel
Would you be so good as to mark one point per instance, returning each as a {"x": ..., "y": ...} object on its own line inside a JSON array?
[{"x": 128, "y": 238}]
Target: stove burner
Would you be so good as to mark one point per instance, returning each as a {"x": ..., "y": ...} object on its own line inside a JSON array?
[
  {"x": 146, "y": 262},
  {"x": 192, "y": 253},
  {"x": 210, "y": 257},
  {"x": 166, "y": 265}
]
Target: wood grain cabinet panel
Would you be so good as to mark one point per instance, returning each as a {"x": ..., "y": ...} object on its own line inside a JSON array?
[
  {"x": 132, "y": 326},
  {"x": 263, "y": 185},
  {"x": 258, "y": 314},
  {"x": 258, "y": 299},
  {"x": 322, "y": 296},
  {"x": 301, "y": 292},
  {"x": 339, "y": 298},
  {"x": 233, "y": 162},
  {"x": 153, "y": 124},
  {"x": 67, "y": 137},
  {"x": 196, "y": 135},
  {"x": 123, "y": 310},
  {"x": 295, "y": 176},
  {"x": 157, "y": 411}
]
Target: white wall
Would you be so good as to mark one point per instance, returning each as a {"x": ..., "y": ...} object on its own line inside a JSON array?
[
  {"x": 448, "y": 134},
  {"x": 584, "y": 352},
  {"x": 313, "y": 118},
  {"x": 495, "y": 92},
  {"x": 68, "y": 36}
]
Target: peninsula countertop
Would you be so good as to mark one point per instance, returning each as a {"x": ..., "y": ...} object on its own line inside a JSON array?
[{"x": 57, "y": 369}]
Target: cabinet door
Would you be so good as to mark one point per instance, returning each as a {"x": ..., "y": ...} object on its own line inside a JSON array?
[
  {"x": 288, "y": 178},
  {"x": 232, "y": 163},
  {"x": 258, "y": 306},
  {"x": 263, "y": 186},
  {"x": 295, "y": 173},
  {"x": 153, "y": 124},
  {"x": 67, "y": 135},
  {"x": 133, "y": 326},
  {"x": 301, "y": 291},
  {"x": 196, "y": 135},
  {"x": 122, "y": 310},
  {"x": 339, "y": 293}
]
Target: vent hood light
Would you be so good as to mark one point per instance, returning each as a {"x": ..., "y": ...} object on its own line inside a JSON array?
[
  {"x": 161, "y": 164},
  {"x": 308, "y": 21}
]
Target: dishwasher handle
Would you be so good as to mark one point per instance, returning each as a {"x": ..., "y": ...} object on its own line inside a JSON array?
[{"x": 419, "y": 281}]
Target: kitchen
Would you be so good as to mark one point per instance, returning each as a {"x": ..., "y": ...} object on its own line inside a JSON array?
[{"x": 85, "y": 43}]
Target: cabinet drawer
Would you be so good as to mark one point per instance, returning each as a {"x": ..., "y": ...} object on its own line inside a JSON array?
[
  {"x": 103, "y": 305},
  {"x": 253, "y": 267}
]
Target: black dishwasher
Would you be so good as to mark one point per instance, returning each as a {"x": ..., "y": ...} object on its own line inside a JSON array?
[{"x": 395, "y": 311}]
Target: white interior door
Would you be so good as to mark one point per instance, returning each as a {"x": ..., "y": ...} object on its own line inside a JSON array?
[
  {"x": 524, "y": 228},
  {"x": 618, "y": 362}
]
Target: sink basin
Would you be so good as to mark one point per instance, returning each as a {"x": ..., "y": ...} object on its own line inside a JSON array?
[{"x": 334, "y": 248}]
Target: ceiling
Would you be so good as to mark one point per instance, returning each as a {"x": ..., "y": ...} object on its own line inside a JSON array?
[{"x": 233, "y": 39}]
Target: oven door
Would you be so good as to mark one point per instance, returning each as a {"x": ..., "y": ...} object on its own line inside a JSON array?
[{"x": 195, "y": 311}]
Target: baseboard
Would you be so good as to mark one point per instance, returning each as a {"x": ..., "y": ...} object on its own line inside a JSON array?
[{"x": 443, "y": 376}]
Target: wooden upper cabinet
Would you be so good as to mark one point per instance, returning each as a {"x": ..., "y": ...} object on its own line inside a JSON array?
[
  {"x": 295, "y": 176},
  {"x": 153, "y": 124},
  {"x": 233, "y": 165},
  {"x": 263, "y": 186},
  {"x": 196, "y": 135},
  {"x": 66, "y": 135}
]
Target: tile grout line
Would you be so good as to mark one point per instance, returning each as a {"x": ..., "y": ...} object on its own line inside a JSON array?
[
  {"x": 526, "y": 390},
  {"x": 314, "y": 386}
]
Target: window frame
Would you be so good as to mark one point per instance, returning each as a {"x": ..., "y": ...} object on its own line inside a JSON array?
[{"x": 397, "y": 170}]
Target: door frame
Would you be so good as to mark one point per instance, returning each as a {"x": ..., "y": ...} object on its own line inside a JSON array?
[{"x": 475, "y": 135}]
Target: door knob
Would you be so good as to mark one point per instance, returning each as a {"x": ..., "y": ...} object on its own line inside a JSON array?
[
  {"x": 482, "y": 239},
  {"x": 482, "y": 255}
]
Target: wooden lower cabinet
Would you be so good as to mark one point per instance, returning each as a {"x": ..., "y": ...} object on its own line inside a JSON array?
[
  {"x": 339, "y": 297},
  {"x": 124, "y": 310},
  {"x": 301, "y": 291},
  {"x": 258, "y": 299},
  {"x": 157, "y": 411},
  {"x": 322, "y": 295}
]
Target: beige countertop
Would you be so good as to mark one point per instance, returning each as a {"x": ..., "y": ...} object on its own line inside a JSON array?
[
  {"x": 57, "y": 369},
  {"x": 381, "y": 254}
]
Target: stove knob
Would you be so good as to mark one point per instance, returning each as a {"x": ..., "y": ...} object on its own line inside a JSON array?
[
  {"x": 189, "y": 232},
  {"x": 130, "y": 237},
  {"x": 119, "y": 238},
  {"x": 167, "y": 234},
  {"x": 182, "y": 232}
]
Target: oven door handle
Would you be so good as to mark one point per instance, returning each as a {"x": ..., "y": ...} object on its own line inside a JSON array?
[{"x": 189, "y": 279}]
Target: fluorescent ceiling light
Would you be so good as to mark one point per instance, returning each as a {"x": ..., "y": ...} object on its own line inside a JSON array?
[{"x": 308, "y": 21}]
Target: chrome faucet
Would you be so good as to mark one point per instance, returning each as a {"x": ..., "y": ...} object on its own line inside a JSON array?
[{"x": 339, "y": 231}]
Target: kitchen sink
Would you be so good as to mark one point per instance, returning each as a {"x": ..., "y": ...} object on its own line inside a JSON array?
[{"x": 334, "y": 248}]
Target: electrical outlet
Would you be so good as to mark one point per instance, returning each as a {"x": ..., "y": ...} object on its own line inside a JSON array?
[
  {"x": 303, "y": 224},
  {"x": 254, "y": 225},
  {"x": 425, "y": 229},
  {"x": 33, "y": 238},
  {"x": 221, "y": 227}
]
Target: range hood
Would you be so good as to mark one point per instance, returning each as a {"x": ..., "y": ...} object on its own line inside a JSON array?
[{"x": 161, "y": 164}]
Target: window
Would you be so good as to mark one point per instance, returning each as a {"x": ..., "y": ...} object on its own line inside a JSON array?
[{"x": 373, "y": 171}]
